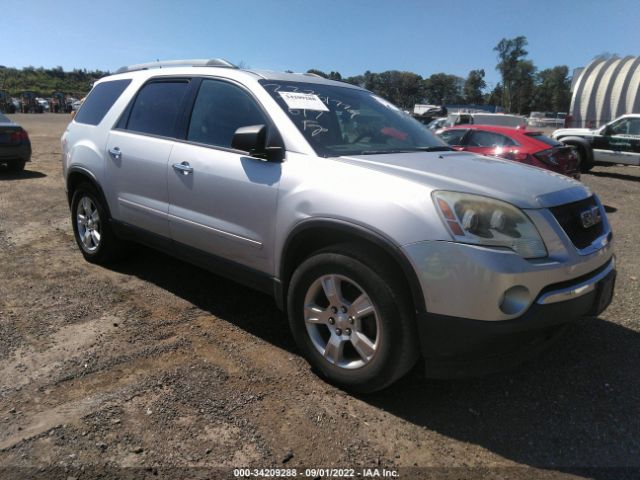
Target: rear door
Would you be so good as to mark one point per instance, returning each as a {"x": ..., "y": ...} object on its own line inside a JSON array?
[
  {"x": 222, "y": 201},
  {"x": 138, "y": 152},
  {"x": 488, "y": 143}
]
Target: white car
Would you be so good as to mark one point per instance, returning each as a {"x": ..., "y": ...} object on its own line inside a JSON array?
[{"x": 616, "y": 142}]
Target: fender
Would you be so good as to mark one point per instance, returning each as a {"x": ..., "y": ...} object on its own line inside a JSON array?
[
  {"x": 581, "y": 141},
  {"x": 348, "y": 231},
  {"x": 92, "y": 178}
]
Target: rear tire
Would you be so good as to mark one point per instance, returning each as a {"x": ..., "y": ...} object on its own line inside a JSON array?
[
  {"x": 92, "y": 230},
  {"x": 351, "y": 318},
  {"x": 17, "y": 166}
]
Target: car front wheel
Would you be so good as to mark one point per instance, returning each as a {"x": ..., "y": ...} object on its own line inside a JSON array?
[{"x": 351, "y": 318}]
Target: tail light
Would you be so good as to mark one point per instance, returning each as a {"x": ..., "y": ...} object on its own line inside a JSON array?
[
  {"x": 19, "y": 136},
  {"x": 548, "y": 157},
  {"x": 515, "y": 155}
]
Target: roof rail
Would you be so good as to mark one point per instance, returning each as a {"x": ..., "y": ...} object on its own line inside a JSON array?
[{"x": 213, "y": 62}]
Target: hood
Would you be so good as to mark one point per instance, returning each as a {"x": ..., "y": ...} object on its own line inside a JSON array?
[
  {"x": 580, "y": 132},
  {"x": 520, "y": 185}
]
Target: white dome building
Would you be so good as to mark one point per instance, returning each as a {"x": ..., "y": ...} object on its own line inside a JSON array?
[{"x": 604, "y": 90}]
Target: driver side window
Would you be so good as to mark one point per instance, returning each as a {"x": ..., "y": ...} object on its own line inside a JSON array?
[
  {"x": 219, "y": 110},
  {"x": 621, "y": 127},
  {"x": 626, "y": 126}
]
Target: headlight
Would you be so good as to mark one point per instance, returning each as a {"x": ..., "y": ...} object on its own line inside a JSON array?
[{"x": 486, "y": 221}]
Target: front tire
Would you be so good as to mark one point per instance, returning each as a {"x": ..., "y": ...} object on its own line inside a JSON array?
[
  {"x": 351, "y": 318},
  {"x": 92, "y": 230},
  {"x": 583, "y": 159}
]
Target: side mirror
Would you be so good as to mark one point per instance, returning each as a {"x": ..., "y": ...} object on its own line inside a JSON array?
[{"x": 253, "y": 139}]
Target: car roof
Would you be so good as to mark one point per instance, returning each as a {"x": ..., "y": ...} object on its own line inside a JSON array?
[
  {"x": 176, "y": 68},
  {"x": 497, "y": 129}
]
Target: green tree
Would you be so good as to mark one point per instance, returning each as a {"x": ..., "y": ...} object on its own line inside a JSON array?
[
  {"x": 523, "y": 86},
  {"x": 473, "y": 87},
  {"x": 404, "y": 89},
  {"x": 495, "y": 96},
  {"x": 442, "y": 88},
  {"x": 510, "y": 52},
  {"x": 552, "y": 90}
]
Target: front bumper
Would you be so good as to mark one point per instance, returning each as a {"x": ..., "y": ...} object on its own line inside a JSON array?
[
  {"x": 488, "y": 308},
  {"x": 460, "y": 347},
  {"x": 483, "y": 283}
]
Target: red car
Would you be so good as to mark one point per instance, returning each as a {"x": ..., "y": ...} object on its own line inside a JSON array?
[{"x": 521, "y": 145}]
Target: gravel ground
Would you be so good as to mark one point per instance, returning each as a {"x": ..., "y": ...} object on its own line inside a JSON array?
[{"x": 155, "y": 368}]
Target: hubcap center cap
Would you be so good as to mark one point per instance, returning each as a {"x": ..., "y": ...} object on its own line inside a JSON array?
[{"x": 342, "y": 321}]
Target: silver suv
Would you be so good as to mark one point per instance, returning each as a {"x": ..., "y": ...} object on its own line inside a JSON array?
[{"x": 378, "y": 240}]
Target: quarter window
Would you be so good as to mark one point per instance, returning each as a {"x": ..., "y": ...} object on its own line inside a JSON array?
[
  {"x": 100, "y": 100},
  {"x": 219, "y": 110},
  {"x": 156, "y": 108}
]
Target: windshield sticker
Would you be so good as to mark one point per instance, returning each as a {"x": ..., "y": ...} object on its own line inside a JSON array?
[
  {"x": 382, "y": 101},
  {"x": 303, "y": 101}
]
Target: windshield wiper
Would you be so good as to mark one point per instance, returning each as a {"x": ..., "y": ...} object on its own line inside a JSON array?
[
  {"x": 439, "y": 148},
  {"x": 377, "y": 152}
]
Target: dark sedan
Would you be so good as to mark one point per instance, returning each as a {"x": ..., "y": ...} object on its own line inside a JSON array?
[{"x": 15, "y": 146}]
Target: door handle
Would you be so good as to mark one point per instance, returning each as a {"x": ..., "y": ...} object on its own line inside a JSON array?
[
  {"x": 183, "y": 168},
  {"x": 115, "y": 153}
]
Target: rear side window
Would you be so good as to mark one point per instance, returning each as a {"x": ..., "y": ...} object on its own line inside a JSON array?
[
  {"x": 156, "y": 108},
  {"x": 480, "y": 138},
  {"x": 100, "y": 100}
]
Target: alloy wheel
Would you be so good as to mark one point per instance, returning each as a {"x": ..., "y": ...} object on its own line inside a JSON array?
[{"x": 342, "y": 321}]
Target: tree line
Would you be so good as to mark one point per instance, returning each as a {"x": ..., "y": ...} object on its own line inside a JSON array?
[
  {"x": 45, "y": 81},
  {"x": 522, "y": 89}
]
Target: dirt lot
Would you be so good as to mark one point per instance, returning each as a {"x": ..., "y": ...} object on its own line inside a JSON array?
[{"x": 159, "y": 366}]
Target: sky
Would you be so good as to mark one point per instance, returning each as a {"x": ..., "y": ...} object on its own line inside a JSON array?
[{"x": 349, "y": 36}]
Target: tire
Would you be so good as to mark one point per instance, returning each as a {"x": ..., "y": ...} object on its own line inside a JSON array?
[
  {"x": 17, "y": 166},
  {"x": 91, "y": 227},
  {"x": 368, "y": 344},
  {"x": 583, "y": 159}
]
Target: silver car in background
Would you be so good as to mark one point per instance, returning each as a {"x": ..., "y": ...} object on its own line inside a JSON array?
[{"x": 380, "y": 242}]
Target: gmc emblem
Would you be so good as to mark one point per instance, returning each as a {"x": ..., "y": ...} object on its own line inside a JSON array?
[{"x": 590, "y": 217}]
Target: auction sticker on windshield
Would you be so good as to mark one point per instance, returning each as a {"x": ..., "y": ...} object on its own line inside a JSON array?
[{"x": 303, "y": 101}]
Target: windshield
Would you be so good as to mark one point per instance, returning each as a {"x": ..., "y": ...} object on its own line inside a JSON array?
[{"x": 340, "y": 121}]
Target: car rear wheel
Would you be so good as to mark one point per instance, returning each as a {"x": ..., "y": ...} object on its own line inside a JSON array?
[
  {"x": 93, "y": 233},
  {"x": 350, "y": 317},
  {"x": 16, "y": 166}
]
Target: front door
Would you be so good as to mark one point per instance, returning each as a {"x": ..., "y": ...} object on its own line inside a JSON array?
[
  {"x": 619, "y": 142},
  {"x": 221, "y": 201}
]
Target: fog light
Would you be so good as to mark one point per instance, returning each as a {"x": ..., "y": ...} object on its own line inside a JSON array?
[{"x": 515, "y": 300}]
